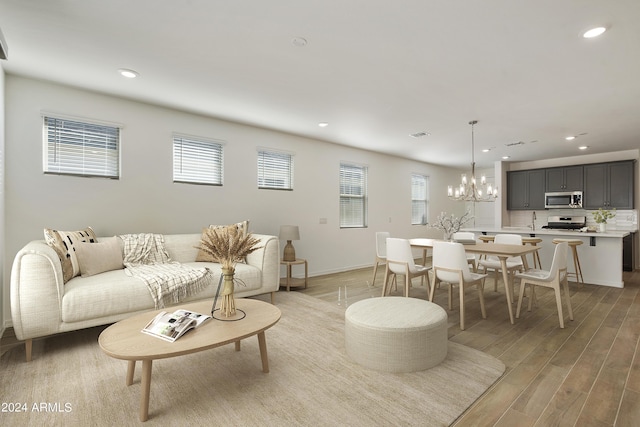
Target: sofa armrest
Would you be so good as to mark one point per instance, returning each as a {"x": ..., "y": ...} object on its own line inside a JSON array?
[
  {"x": 267, "y": 259},
  {"x": 37, "y": 288}
]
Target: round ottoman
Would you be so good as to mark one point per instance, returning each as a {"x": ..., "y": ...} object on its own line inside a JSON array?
[{"x": 396, "y": 334}]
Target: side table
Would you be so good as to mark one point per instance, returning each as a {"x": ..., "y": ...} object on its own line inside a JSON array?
[{"x": 292, "y": 281}]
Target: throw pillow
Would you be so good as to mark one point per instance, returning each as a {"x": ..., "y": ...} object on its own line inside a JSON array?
[
  {"x": 203, "y": 256},
  {"x": 95, "y": 258},
  {"x": 63, "y": 242}
]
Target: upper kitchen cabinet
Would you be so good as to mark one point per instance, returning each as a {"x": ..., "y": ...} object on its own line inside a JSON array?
[
  {"x": 525, "y": 189},
  {"x": 608, "y": 185},
  {"x": 567, "y": 178}
]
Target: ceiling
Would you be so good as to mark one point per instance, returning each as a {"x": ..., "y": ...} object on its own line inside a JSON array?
[{"x": 376, "y": 71}]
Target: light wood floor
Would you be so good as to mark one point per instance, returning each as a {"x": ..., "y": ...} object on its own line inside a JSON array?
[{"x": 587, "y": 374}]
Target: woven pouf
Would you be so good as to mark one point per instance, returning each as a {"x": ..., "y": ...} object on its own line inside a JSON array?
[{"x": 396, "y": 334}]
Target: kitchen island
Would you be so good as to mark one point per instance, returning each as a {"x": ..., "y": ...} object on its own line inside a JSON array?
[{"x": 600, "y": 253}]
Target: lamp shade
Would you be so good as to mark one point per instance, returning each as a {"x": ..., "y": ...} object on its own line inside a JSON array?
[{"x": 289, "y": 232}]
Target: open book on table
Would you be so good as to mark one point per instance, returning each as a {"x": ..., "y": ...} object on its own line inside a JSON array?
[{"x": 171, "y": 326}]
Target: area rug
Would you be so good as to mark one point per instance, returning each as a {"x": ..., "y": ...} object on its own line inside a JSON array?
[{"x": 312, "y": 382}]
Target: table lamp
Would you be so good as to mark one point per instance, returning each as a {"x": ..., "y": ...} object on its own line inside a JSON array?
[{"x": 289, "y": 233}]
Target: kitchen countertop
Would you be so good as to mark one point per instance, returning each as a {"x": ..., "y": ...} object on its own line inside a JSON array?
[{"x": 613, "y": 233}]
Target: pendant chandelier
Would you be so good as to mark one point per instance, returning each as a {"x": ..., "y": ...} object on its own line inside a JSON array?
[{"x": 470, "y": 190}]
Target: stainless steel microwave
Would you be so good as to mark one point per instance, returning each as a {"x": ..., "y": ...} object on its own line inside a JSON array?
[{"x": 563, "y": 199}]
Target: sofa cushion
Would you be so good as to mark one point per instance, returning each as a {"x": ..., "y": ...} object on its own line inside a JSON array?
[
  {"x": 95, "y": 258},
  {"x": 114, "y": 292},
  {"x": 63, "y": 242}
]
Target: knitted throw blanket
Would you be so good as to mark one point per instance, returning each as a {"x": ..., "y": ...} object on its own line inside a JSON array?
[{"x": 168, "y": 281}]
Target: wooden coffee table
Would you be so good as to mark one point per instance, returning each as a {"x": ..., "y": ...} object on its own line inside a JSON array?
[{"x": 124, "y": 340}]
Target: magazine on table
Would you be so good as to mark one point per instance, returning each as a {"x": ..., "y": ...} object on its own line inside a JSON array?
[{"x": 171, "y": 326}]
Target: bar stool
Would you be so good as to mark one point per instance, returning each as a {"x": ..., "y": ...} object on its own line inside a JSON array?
[
  {"x": 573, "y": 244},
  {"x": 533, "y": 241}
]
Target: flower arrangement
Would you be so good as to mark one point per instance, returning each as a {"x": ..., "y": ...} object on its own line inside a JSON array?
[
  {"x": 602, "y": 215},
  {"x": 450, "y": 224},
  {"x": 228, "y": 246}
]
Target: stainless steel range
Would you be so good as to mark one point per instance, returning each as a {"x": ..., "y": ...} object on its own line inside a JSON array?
[{"x": 565, "y": 222}]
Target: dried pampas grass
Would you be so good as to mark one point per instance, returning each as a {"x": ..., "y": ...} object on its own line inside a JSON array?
[{"x": 228, "y": 245}]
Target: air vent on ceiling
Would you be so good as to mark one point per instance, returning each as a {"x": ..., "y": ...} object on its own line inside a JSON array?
[
  {"x": 511, "y": 144},
  {"x": 419, "y": 134}
]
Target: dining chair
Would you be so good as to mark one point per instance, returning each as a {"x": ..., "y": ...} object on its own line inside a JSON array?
[
  {"x": 551, "y": 279},
  {"x": 450, "y": 266},
  {"x": 400, "y": 262},
  {"x": 467, "y": 235},
  {"x": 381, "y": 252},
  {"x": 493, "y": 262}
]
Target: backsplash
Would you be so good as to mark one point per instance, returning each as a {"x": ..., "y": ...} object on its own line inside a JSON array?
[{"x": 623, "y": 219}]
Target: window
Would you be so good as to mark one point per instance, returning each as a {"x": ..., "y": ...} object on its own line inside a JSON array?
[
  {"x": 353, "y": 196},
  {"x": 197, "y": 161},
  {"x": 79, "y": 148},
  {"x": 275, "y": 170},
  {"x": 419, "y": 199}
]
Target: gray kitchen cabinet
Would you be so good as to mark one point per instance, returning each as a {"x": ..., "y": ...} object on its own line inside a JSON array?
[
  {"x": 608, "y": 185},
  {"x": 525, "y": 189},
  {"x": 568, "y": 178}
]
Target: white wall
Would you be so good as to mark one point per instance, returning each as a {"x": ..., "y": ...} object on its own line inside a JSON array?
[
  {"x": 145, "y": 199},
  {"x": 2, "y": 202}
]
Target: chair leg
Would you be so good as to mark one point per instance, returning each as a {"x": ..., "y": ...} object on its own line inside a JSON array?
[
  {"x": 387, "y": 273},
  {"x": 407, "y": 282},
  {"x": 432, "y": 291},
  {"x": 567, "y": 297},
  {"x": 523, "y": 283},
  {"x": 559, "y": 304},
  {"x": 461, "y": 291},
  {"x": 480, "y": 286},
  {"x": 450, "y": 296},
  {"x": 375, "y": 270},
  {"x": 495, "y": 281}
]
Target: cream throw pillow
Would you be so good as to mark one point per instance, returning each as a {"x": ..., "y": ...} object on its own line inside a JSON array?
[
  {"x": 64, "y": 242},
  {"x": 95, "y": 258}
]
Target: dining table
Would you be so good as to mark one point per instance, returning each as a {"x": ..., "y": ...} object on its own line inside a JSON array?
[{"x": 501, "y": 251}]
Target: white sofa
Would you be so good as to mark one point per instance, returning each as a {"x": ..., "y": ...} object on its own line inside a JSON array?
[{"x": 42, "y": 305}]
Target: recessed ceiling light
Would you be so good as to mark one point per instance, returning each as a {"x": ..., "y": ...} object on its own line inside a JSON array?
[
  {"x": 505, "y": 157},
  {"x": 583, "y": 147},
  {"x": 486, "y": 150},
  {"x": 570, "y": 138},
  {"x": 323, "y": 124},
  {"x": 299, "y": 41},
  {"x": 594, "y": 32},
  {"x": 130, "y": 74}
]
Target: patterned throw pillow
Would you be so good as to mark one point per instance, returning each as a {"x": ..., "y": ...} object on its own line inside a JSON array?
[
  {"x": 63, "y": 243},
  {"x": 242, "y": 227}
]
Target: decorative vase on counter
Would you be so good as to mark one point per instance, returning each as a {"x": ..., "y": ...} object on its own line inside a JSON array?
[{"x": 603, "y": 227}]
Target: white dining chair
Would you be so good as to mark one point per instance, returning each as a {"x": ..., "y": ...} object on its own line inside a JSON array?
[
  {"x": 553, "y": 279},
  {"x": 467, "y": 235},
  {"x": 493, "y": 262},
  {"x": 400, "y": 262},
  {"x": 381, "y": 252},
  {"x": 450, "y": 266}
]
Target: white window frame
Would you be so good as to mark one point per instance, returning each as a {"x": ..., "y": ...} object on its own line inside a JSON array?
[
  {"x": 79, "y": 147},
  {"x": 198, "y": 160},
  {"x": 353, "y": 195},
  {"x": 419, "y": 199},
  {"x": 275, "y": 169}
]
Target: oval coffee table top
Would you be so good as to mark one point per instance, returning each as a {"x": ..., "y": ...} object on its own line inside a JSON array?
[{"x": 125, "y": 339}]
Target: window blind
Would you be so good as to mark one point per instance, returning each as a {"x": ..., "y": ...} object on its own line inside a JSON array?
[
  {"x": 353, "y": 196},
  {"x": 79, "y": 148},
  {"x": 275, "y": 170},
  {"x": 197, "y": 161},
  {"x": 419, "y": 199}
]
